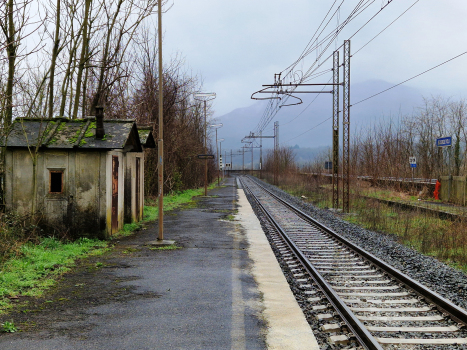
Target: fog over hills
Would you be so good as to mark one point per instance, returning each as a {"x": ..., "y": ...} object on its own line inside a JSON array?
[{"x": 311, "y": 127}]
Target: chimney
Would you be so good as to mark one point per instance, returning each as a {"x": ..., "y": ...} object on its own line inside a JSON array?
[{"x": 100, "y": 132}]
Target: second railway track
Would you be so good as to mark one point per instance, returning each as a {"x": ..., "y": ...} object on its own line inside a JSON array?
[{"x": 356, "y": 297}]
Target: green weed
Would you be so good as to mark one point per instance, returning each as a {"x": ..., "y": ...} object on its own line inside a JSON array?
[
  {"x": 9, "y": 327},
  {"x": 38, "y": 265},
  {"x": 230, "y": 217}
]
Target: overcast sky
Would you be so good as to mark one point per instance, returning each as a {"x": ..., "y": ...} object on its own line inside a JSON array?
[{"x": 236, "y": 46}]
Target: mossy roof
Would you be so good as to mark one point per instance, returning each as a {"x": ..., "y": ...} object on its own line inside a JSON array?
[
  {"x": 63, "y": 133},
  {"x": 146, "y": 137}
]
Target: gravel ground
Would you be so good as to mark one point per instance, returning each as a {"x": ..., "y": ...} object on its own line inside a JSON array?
[{"x": 448, "y": 282}]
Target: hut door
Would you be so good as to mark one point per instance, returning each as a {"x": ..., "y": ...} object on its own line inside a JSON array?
[
  {"x": 138, "y": 188},
  {"x": 114, "y": 194}
]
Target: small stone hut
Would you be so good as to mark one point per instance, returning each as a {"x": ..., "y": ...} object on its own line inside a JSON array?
[{"x": 81, "y": 175}]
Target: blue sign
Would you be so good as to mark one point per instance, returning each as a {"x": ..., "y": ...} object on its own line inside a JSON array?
[
  {"x": 413, "y": 165},
  {"x": 444, "y": 141}
]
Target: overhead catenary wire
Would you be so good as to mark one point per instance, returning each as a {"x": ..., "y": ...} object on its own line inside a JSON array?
[
  {"x": 274, "y": 106},
  {"x": 415, "y": 76},
  {"x": 314, "y": 127},
  {"x": 376, "y": 14},
  {"x": 303, "y": 111},
  {"x": 390, "y": 24},
  {"x": 329, "y": 38},
  {"x": 372, "y": 39},
  {"x": 312, "y": 38}
]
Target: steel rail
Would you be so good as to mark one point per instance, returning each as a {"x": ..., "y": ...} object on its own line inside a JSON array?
[
  {"x": 444, "y": 305},
  {"x": 363, "y": 336}
]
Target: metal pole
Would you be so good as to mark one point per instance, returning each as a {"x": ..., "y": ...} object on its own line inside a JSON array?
[
  {"x": 275, "y": 156},
  {"x": 231, "y": 164},
  {"x": 346, "y": 130},
  {"x": 217, "y": 156},
  {"x": 243, "y": 156},
  {"x": 335, "y": 132},
  {"x": 205, "y": 152},
  {"x": 252, "y": 158},
  {"x": 260, "y": 154},
  {"x": 160, "y": 142},
  {"x": 450, "y": 173},
  {"x": 276, "y": 150}
]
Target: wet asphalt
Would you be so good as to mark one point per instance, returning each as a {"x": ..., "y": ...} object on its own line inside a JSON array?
[{"x": 201, "y": 296}]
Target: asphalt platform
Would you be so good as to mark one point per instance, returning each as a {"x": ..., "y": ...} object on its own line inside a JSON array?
[{"x": 221, "y": 290}]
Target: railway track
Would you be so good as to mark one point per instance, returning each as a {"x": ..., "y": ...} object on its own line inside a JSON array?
[{"x": 354, "y": 295}]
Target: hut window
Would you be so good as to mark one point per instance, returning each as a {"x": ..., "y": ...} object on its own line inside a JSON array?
[{"x": 56, "y": 182}]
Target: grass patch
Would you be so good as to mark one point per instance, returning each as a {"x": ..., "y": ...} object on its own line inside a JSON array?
[
  {"x": 230, "y": 217},
  {"x": 37, "y": 267}
]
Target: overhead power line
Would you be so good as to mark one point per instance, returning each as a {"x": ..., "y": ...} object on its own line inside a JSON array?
[
  {"x": 321, "y": 47},
  {"x": 314, "y": 127},
  {"x": 390, "y": 24},
  {"x": 392, "y": 87},
  {"x": 303, "y": 111}
]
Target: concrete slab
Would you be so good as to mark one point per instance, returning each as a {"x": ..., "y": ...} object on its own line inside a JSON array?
[
  {"x": 287, "y": 326},
  {"x": 160, "y": 243}
]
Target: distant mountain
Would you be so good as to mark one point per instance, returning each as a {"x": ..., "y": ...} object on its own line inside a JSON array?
[{"x": 309, "y": 125}]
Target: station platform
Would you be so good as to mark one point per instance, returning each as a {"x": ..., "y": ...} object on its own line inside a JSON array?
[{"x": 222, "y": 289}]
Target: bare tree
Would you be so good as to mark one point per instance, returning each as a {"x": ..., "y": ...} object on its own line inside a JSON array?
[{"x": 14, "y": 19}]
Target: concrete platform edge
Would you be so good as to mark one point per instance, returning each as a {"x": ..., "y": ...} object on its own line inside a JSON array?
[{"x": 287, "y": 326}]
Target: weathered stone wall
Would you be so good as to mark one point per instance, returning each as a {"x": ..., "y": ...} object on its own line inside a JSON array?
[
  {"x": 18, "y": 181},
  {"x": 79, "y": 208}
]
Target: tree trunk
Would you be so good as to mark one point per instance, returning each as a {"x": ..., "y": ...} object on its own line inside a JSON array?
[
  {"x": 54, "y": 60},
  {"x": 12, "y": 46},
  {"x": 83, "y": 58}
]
